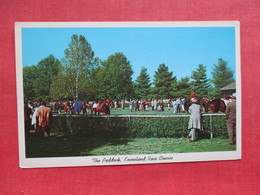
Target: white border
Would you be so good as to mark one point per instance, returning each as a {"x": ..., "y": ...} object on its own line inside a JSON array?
[{"x": 112, "y": 160}]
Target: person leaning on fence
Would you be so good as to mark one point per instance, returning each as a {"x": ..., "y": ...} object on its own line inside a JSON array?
[
  {"x": 231, "y": 119},
  {"x": 195, "y": 119}
]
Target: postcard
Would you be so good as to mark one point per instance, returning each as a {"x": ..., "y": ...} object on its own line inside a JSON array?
[{"x": 122, "y": 93}]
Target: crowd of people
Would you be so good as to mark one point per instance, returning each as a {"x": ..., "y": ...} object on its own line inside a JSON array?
[
  {"x": 84, "y": 107},
  {"x": 38, "y": 114},
  {"x": 157, "y": 105}
]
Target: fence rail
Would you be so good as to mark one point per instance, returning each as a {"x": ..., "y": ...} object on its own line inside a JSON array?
[{"x": 133, "y": 115}]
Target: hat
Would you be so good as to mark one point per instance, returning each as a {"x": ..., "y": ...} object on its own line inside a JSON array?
[
  {"x": 193, "y": 95},
  {"x": 227, "y": 97},
  {"x": 234, "y": 95},
  {"x": 193, "y": 100}
]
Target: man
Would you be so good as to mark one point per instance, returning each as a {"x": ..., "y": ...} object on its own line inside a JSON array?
[
  {"x": 44, "y": 116},
  {"x": 231, "y": 119}
]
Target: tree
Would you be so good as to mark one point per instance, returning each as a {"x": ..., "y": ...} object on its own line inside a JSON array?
[
  {"x": 182, "y": 88},
  {"x": 221, "y": 76},
  {"x": 115, "y": 78},
  {"x": 142, "y": 84},
  {"x": 61, "y": 87},
  {"x": 47, "y": 70},
  {"x": 163, "y": 81},
  {"x": 79, "y": 63},
  {"x": 200, "y": 82},
  {"x": 30, "y": 73}
]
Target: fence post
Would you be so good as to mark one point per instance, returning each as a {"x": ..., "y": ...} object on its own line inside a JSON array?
[{"x": 211, "y": 127}]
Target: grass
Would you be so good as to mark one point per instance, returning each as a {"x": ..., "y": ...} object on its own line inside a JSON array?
[
  {"x": 127, "y": 111},
  {"x": 59, "y": 146}
]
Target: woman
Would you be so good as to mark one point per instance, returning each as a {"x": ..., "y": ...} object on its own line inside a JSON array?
[{"x": 195, "y": 119}]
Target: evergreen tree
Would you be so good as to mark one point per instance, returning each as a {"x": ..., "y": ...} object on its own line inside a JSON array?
[
  {"x": 163, "y": 81},
  {"x": 182, "y": 88},
  {"x": 142, "y": 85},
  {"x": 200, "y": 82},
  {"x": 221, "y": 76}
]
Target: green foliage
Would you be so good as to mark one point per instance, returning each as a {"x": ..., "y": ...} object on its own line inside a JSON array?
[
  {"x": 221, "y": 76},
  {"x": 38, "y": 79},
  {"x": 115, "y": 78},
  {"x": 79, "y": 63},
  {"x": 142, "y": 85},
  {"x": 200, "y": 82},
  {"x": 181, "y": 88},
  {"x": 48, "y": 69},
  {"x": 30, "y": 73},
  {"x": 61, "y": 88},
  {"x": 163, "y": 81},
  {"x": 136, "y": 127}
]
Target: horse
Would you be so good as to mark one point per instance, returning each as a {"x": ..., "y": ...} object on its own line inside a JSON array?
[
  {"x": 217, "y": 105},
  {"x": 103, "y": 106},
  {"x": 200, "y": 100}
]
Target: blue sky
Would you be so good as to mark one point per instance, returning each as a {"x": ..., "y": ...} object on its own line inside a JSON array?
[{"x": 182, "y": 49}]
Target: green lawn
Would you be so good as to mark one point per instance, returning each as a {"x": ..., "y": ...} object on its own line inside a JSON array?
[
  {"x": 127, "y": 111},
  {"x": 58, "y": 146}
]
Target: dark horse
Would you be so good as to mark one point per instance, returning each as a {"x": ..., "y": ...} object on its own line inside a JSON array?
[
  {"x": 217, "y": 105},
  {"x": 103, "y": 107},
  {"x": 201, "y": 101}
]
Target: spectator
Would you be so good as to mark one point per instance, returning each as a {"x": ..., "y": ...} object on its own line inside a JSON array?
[
  {"x": 27, "y": 118},
  {"x": 34, "y": 120},
  {"x": 174, "y": 104},
  {"x": 131, "y": 105},
  {"x": 123, "y": 104},
  {"x": 178, "y": 102},
  {"x": 195, "y": 119},
  {"x": 136, "y": 105},
  {"x": 231, "y": 119},
  {"x": 44, "y": 115},
  {"x": 169, "y": 104}
]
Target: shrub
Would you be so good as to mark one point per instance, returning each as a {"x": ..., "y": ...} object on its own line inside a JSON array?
[{"x": 135, "y": 127}]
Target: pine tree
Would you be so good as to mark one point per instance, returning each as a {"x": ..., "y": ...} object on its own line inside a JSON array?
[
  {"x": 163, "y": 81},
  {"x": 142, "y": 85},
  {"x": 200, "y": 82},
  {"x": 221, "y": 76},
  {"x": 182, "y": 88}
]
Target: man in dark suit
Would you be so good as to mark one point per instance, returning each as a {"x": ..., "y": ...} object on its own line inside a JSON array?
[{"x": 231, "y": 119}]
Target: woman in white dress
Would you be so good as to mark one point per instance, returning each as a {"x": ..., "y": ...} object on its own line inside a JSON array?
[{"x": 195, "y": 119}]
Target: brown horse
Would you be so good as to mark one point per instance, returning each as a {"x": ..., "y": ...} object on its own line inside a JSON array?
[
  {"x": 217, "y": 105},
  {"x": 202, "y": 101},
  {"x": 103, "y": 107}
]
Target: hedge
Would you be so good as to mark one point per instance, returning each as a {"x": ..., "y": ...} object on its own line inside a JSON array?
[{"x": 135, "y": 127}]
